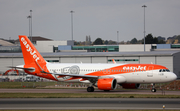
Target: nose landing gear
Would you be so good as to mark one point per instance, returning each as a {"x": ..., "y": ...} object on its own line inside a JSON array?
[{"x": 153, "y": 87}]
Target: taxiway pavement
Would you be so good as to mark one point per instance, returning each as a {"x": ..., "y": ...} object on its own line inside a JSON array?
[
  {"x": 84, "y": 91},
  {"x": 89, "y": 103}
]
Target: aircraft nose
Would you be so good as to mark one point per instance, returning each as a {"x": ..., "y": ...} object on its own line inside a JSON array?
[{"x": 173, "y": 76}]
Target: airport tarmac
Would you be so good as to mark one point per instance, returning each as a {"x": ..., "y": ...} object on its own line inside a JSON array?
[
  {"x": 84, "y": 91},
  {"x": 89, "y": 103}
]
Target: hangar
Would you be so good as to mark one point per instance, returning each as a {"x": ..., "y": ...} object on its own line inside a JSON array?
[{"x": 169, "y": 59}]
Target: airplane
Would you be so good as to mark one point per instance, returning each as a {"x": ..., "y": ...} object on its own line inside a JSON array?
[{"x": 103, "y": 76}]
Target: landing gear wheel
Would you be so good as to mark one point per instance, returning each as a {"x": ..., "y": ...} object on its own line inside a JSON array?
[
  {"x": 153, "y": 87},
  {"x": 90, "y": 89},
  {"x": 153, "y": 90}
]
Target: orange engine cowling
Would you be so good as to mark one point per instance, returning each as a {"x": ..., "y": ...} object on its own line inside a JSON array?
[
  {"x": 106, "y": 84},
  {"x": 130, "y": 85}
]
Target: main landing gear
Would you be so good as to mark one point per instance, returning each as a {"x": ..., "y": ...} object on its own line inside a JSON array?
[
  {"x": 153, "y": 87},
  {"x": 90, "y": 89}
]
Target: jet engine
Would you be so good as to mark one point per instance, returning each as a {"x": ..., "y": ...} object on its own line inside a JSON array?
[
  {"x": 107, "y": 84},
  {"x": 130, "y": 85}
]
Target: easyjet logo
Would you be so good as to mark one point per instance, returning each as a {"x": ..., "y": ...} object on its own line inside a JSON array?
[
  {"x": 134, "y": 68},
  {"x": 29, "y": 49}
]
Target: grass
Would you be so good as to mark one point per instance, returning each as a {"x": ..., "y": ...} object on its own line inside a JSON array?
[
  {"x": 25, "y": 84},
  {"x": 81, "y": 95},
  {"x": 21, "y": 85}
]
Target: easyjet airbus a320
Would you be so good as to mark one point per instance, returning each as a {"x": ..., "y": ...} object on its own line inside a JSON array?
[{"x": 104, "y": 76}]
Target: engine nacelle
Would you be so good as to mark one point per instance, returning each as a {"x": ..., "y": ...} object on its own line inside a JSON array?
[
  {"x": 107, "y": 84},
  {"x": 130, "y": 85}
]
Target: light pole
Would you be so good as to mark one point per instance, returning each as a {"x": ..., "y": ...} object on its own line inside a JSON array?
[
  {"x": 144, "y": 6},
  {"x": 29, "y": 17},
  {"x": 117, "y": 37},
  {"x": 30, "y": 25},
  {"x": 72, "y": 23}
]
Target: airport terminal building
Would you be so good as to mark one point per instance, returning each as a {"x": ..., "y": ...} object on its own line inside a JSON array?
[
  {"x": 167, "y": 58},
  {"x": 167, "y": 55}
]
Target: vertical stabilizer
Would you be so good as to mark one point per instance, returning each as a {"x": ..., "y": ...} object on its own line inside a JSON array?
[
  {"x": 30, "y": 53},
  {"x": 34, "y": 62}
]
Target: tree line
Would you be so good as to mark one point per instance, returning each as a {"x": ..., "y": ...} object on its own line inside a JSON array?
[{"x": 149, "y": 39}]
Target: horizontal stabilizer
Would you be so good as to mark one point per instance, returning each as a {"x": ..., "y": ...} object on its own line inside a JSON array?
[{"x": 29, "y": 69}]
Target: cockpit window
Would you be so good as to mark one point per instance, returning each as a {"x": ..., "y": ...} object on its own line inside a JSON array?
[
  {"x": 164, "y": 70},
  {"x": 167, "y": 70}
]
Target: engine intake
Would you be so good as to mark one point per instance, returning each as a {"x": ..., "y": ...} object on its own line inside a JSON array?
[{"x": 107, "y": 84}]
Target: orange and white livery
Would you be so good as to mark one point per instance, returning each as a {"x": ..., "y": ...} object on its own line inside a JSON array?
[{"x": 104, "y": 76}]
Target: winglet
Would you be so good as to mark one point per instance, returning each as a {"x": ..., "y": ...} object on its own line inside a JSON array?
[{"x": 114, "y": 62}]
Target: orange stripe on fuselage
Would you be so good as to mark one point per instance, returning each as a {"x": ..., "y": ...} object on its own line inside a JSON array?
[{"x": 127, "y": 68}]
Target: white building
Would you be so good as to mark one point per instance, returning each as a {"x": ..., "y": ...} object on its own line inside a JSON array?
[
  {"x": 135, "y": 47},
  {"x": 48, "y": 46}
]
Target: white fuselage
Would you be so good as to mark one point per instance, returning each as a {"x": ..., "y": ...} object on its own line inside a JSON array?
[{"x": 108, "y": 70}]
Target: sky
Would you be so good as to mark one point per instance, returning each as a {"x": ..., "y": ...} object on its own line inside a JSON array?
[{"x": 97, "y": 18}]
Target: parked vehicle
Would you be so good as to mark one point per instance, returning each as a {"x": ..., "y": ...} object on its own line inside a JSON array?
[
  {"x": 31, "y": 78},
  {"x": 4, "y": 79}
]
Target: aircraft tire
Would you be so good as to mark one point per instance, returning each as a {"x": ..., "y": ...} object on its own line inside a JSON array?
[
  {"x": 153, "y": 90},
  {"x": 90, "y": 89}
]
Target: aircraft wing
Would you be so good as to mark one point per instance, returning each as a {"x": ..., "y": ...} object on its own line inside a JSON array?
[
  {"x": 73, "y": 75},
  {"x": 59, "y": 74}
]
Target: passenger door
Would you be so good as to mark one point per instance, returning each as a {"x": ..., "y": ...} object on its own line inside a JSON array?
[{"x": 150, "y": 71}]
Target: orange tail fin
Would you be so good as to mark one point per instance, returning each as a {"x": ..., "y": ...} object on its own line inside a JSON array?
[
  {"x": 30, "y": 53},
  {"x": 34, "y": 62}
]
